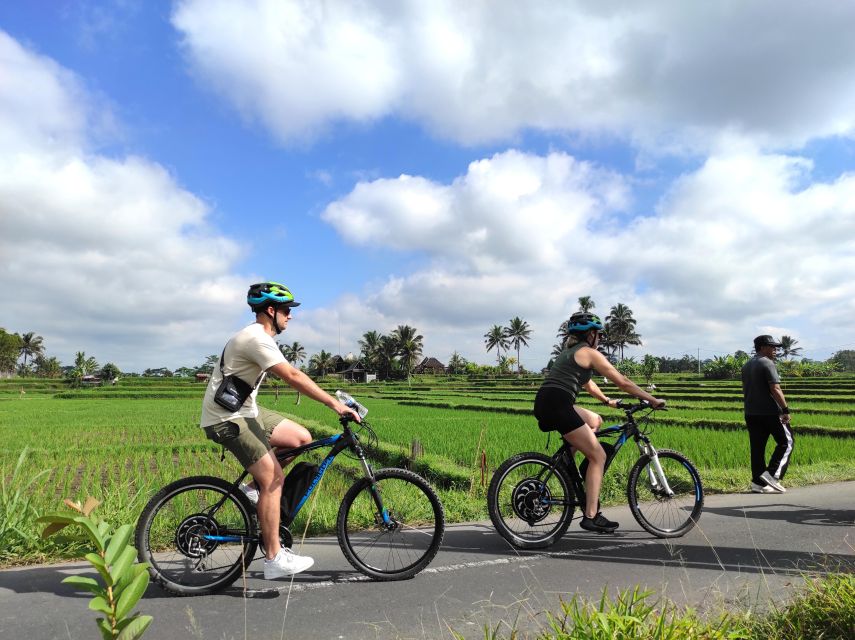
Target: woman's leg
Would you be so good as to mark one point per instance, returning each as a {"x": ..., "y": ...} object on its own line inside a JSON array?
[
  {"x": 593, "y": 420},
  {"x": 584, "y": 440}
]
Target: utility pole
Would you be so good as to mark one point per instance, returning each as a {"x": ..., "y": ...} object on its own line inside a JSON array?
[{"x": 699, "y": 361}]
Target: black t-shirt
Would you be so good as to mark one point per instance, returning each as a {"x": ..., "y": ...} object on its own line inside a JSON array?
[{"x": 757, "y": 374}]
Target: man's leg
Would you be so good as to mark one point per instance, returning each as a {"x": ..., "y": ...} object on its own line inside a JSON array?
[
  {"x": 758, "y": 436},
  {"x": 268, "y": 478},
  {"x": 782, "y": 432}
]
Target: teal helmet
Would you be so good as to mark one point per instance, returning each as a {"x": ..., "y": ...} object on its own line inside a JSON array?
[
  {"x": 582, "y": 321},
  {"x": 265, "y": 294}
]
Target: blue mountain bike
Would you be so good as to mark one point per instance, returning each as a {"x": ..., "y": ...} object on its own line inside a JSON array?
[
  {"x": 200, "y": 533},
  {"x": 532, "y": 496}
]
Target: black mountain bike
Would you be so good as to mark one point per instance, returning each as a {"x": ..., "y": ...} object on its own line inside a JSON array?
[
  {"x": 532, "y": 496},
  {"x": 199, "y": 533}
]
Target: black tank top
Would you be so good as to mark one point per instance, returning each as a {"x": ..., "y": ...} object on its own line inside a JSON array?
[{"x": 566, "y": 374}]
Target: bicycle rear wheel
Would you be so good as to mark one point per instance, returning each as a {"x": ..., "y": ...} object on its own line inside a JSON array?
[
  {"x": 530, "y": 502},
  {"x": 402, "y": 543},
  {"x": 663, "y": 515},
  {"x": 198, "y": 534}
]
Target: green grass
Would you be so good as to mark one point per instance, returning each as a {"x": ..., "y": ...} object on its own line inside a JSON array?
[{"x": 122, "y": 443}]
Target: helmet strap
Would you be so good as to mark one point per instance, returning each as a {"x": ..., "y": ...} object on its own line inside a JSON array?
[{"x": 276, "y": 326}]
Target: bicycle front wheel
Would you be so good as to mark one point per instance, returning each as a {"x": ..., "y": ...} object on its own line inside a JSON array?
[
  {"x": 660, "y": 512},
  {"x": 530, "y": 501},
  {"x": 398, "y": 538},
  {"x": 198, "y": 534}
]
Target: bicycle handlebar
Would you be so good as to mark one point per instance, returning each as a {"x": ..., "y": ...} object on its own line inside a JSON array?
[{"x": 629, "y": 409}]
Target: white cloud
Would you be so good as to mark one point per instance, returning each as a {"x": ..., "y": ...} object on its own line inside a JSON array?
[
  {"x": 744, "y": 243},
  {"x": 110, "y": 256},
  {"x": 670, "y": 74}
]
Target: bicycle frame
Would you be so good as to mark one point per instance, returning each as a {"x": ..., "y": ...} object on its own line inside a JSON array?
[
  {"x": 627, "y": 430},
  {"x": 337, "y": 443}
]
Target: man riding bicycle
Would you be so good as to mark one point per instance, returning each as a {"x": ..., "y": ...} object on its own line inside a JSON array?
[
  {"x": 555, "y": 410},
  {"x": 232, "y": 418}
]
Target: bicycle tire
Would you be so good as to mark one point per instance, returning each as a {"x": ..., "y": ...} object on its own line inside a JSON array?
[
  {"x": 402, "y": 549},
  {"x": 168, "y": 536},
  {"x": 666, "y": 516},
  {"x": 515, "y": 506}
]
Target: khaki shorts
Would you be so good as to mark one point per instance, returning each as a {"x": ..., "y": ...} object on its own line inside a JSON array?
[{"x": 247, "y": 438}]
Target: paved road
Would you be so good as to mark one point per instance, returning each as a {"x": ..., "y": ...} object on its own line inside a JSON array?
[{"x": 747, "y": 548}]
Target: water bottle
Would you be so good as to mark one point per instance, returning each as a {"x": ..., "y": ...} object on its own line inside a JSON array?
[{"x": 348, "y": 400}]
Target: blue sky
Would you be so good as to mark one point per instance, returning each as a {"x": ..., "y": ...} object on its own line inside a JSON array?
[{"x": 415, "y": 163}]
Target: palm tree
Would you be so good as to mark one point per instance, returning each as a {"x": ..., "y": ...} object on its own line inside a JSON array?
[
  {"x": 409, "y": 344},
  {"x": 387, "y": 351},
  {"x": 788, "y": 347},
  {"x": 369, "y": 346},
  {"x": 620, "y": 327},
  {"x": 295, "y": 353},
  {"x": 586, "y": 303},
  {"x": 48, "y": 367},
  {"x": 518, "y": 332},
  {"x": 321, "y": 362},
  {"x": 31, "y": 346},
  {"x": 456, "y": 363},
  {"x": 497, "y": 338}
]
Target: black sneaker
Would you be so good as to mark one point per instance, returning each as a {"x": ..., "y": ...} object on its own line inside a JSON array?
[{"x": 599, "y": 524}]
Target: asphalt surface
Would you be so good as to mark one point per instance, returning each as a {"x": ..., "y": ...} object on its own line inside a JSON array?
[{"x": 748, "y": 549}]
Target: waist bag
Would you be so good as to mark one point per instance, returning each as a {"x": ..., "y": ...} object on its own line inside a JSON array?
[
  {"x": 296, "y": 484},
  {"x": 233, "y": 391}
]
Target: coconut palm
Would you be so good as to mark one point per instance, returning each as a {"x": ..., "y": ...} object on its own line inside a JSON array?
[
  {"x": 369, "y": 345},
  {"x": 518, "y": 332},
  {"x": 31, "y": 346},
  {"x": 409, "y": 344},
  {"x": 387, "y": 351},
  {"x": 456, "y": 363},
  {"x": 321, "y": 362},
  {"x": 294, "y": 353},
  {"x": 788, "y": 347},
  {"x": 497, "y": 338},
  {"x": 620, "y": 327},
  {"x": 586, "y": 303}
]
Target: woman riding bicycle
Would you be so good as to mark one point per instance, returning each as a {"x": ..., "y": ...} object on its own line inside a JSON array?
[{"x": 555, "y": 410}]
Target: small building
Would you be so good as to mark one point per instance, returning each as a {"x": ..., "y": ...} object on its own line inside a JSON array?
[
  {"x": 355, "y": 372},
  {"x": 202, "y": 376},
  {"x": 91, "y": 381},
  {"x": 430, "y": 365}
]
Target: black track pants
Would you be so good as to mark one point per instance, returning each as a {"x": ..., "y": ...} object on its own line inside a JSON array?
[{"x": 759, "y": 430}]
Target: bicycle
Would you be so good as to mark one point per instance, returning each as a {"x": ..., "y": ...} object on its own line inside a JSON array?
[
  {"x": 199, "y": 533},
  {"x": 532, "y": 496}
]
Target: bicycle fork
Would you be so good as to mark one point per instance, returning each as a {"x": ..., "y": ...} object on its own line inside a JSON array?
[
  {"x": 375, "y": 494},
  {"x": 655, "y": 474}
]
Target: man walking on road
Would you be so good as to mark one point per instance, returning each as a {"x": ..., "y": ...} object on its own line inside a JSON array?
[{"x": 766, "y": 414}]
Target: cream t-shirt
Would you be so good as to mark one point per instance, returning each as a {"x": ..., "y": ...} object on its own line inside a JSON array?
[{"x": 248, "y": 355}]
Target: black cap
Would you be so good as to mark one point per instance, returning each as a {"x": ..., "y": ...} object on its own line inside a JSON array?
[{"x": 765, "y": 341}]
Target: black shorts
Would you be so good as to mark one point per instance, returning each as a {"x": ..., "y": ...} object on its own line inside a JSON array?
[{"x": 554, "y": 411}]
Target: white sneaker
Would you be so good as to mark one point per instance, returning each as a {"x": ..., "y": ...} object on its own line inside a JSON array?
[
  {"x": 773, "y": 482},
  {"x": 286, "y": 563},
  {"x": 762, "y": 488},
  {"x": 249, "y": 492}
]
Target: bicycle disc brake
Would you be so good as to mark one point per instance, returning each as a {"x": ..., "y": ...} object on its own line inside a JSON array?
[
  {"x": 530, "y": 500},
  {"x": 191, "y": 537}
]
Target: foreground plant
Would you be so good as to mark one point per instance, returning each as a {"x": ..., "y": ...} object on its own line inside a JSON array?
[{"x": 124, "y": 581}]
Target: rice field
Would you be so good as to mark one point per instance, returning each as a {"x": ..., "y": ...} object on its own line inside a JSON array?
[{"x": 120, "y": 444}]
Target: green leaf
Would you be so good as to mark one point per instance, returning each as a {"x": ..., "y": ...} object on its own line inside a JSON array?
[
  {"x": 56, "y": 517},
  {"x": 129, "y": 576},
  {"x": 82, "y": 582},
  {"x": 131, "y": 595},
  {"x": 90, "y": 530},
  {"x": 120, "y": 566},
  {"x": 53, "y": 528},
  {"x": 98, "y": 603},
  {"x": 118, "y": 542},
  {"x": 136, "y": 628},
  {"x": 98, "y": 562},
  {"x": 106, "y": 630}
]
